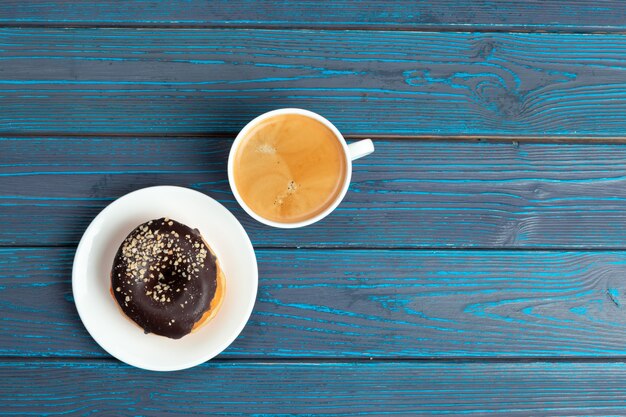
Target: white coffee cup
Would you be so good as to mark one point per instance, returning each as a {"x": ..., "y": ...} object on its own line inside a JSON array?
[{"x": 351, "y": 152}]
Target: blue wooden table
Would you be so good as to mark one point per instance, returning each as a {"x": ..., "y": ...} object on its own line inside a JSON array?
[{"x": 477, "y": 265}]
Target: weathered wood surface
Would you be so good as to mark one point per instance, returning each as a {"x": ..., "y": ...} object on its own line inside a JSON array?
[
  {"x": 159, "y": 81},
  {"x": 404, "y": 14},
  {"x": 406, "y": 194},
  {"x": 306, "y": 389},
  {"x": 361, "y": 304},
  {"x": 97, "y": 104}
]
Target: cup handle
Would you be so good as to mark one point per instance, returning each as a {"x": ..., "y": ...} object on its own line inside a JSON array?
[{"x": 360, "y": 149}]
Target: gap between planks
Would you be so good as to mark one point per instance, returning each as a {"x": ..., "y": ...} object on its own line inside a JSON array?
[
  {"x": 338, "y": 360},
  {"x": 441, "y": 28},
  {"x": 385, "y": 248},
  {"x": 422, "y": 138}
]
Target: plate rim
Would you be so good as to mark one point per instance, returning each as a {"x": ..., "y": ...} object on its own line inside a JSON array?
[{"x": 249, "y": 308}]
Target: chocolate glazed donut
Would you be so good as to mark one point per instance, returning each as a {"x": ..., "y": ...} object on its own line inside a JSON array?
[{"x": 165, "y": 278}]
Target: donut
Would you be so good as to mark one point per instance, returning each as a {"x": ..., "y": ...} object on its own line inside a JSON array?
[{"x": 166, "y": 279}]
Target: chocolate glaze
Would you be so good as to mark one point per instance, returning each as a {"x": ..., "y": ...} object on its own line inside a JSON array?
[{"x": 164, "y": 277}]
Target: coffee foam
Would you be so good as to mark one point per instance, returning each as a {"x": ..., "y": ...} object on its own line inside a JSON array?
[{"x": 289, "y": 168}]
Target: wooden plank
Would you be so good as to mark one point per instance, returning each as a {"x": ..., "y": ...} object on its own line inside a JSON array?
[
  {"x": 362, "y": 304},
  {"x": 128, "y": 81},
  {"x": 312, "y": 389},
  {"x": 406, "y": 194},
  {"x": 404, "y": 14}
]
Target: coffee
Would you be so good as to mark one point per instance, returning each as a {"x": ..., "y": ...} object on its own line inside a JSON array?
[{"x": 289, "y": 168}]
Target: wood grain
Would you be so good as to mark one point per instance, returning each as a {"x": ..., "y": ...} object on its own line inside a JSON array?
[
  {"x": 126, "y": 81},
  {"x": 403, "y": 14},
  {"x": 361, "y": 304},
  {"x": 406, "y": 194},
  {"x": 334, "y": 332},
  {"x": 315, "y": 389}
]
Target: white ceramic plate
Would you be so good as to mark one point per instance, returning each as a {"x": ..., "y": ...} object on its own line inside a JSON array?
[{"x": 100, "y": 313}]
